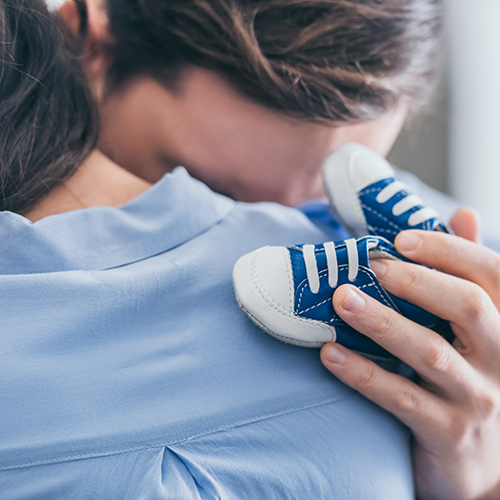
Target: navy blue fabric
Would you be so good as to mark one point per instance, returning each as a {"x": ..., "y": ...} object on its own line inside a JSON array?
[
  {"x": 318, "y": 306},
  {"x": 443, "y": 203},
  {"x": 379, "y": 217}
]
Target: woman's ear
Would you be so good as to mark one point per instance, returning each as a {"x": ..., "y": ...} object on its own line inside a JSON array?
[
  {"x": 97, "y": 38},
  {"x": 69, "y": 13}
]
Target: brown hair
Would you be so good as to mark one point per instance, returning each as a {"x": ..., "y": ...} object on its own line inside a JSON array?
[
  {"x": 47, "y": 116},
  {"x": 326, "y": 61}
]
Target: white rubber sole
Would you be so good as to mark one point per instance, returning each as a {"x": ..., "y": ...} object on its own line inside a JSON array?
[
  {"x": 275, "y": 315},
  {"x": 281, "y": 338}
]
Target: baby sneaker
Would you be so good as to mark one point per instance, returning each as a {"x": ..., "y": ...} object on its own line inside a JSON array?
[
  {"x": 287, "y": 291},
  {"x": 368, "y": 198}
]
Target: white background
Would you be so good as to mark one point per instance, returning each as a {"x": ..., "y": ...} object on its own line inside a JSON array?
[{"x": 475, "y": 105}]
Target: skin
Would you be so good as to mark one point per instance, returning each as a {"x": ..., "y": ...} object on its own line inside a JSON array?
[
  {"x": 97, "y": 182},
  {"x": 454, "y": 412},
  {"x": 266, "y": 156},
  {"x": 235, "y": 146},
  {"x": 270, "y": 157}
]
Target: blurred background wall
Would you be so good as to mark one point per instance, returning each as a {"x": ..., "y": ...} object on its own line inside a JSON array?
[
  {"x": 422, "y": 147},
  {"x": 454, "y": 147}
]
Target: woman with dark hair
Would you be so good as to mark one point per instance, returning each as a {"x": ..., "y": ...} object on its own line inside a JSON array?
[
  {"x": 126, "y": 368},
  {"x": 251, "y": 96}
]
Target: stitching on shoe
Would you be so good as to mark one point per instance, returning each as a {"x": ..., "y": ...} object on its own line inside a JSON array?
[
  {"x": 370, "y": 209},
  {"x": 371, "y": 190},
  {"x": 368, "y": 284},
  {"x": 374, "y": 190},
  {"x": 304, "y": 285},
  {"x": 382, "y": 229},
  {"x": 272, "y": 304},
  {"x": 377, "y": 288},
  {"x": 321, "y": 303},
  {"x": 289, "y": 272},
  {"x": 316, "y": 305},
  {"x": 300, "y": 296}
]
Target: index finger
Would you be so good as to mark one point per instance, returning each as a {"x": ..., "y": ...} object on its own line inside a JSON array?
[
  {"x": 432, "y": 357},
  {"x": 453, "y": 255}
]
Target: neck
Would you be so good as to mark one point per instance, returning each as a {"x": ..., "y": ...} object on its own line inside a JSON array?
[{"x": 97, "y": 182}]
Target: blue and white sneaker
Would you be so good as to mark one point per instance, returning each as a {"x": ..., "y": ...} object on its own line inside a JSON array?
[
  {"x": 368, "y": 198},
  {"x": 287, "y": 291}
]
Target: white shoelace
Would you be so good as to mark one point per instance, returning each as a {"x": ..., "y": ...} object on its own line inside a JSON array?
[
  {"x": 407, "y": 203},
  {"x": 331, "y": 263}
]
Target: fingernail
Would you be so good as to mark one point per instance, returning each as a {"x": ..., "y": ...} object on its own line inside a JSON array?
[
  {"x": 408, "y": 241},
  {"x": 379, "y": 267},
  {"x": 335, "y": 355},
  {"x": 353, "y": 302}
]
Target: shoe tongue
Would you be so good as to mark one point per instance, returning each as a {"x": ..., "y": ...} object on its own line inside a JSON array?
[
  {"x": 365, "y": 246},
  {"x": 376, "y": 247},
  {"x": 379, "y": 248},
  {"x": 437, "y": 225}
]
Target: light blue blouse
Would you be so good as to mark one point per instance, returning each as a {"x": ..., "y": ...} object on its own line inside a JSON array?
[{"x": 127, "y": 370}]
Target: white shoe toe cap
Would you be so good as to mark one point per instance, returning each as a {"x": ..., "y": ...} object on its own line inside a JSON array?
[{"x": 263, "y": 282}]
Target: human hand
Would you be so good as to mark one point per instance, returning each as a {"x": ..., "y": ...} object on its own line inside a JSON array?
[
  {"x": 467, "y": 224},
  {"x": 454, "y": 412}
]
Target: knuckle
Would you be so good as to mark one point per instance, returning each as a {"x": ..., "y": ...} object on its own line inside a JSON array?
[
  {"x": 413, "y": 277},
  {"x": 438, "y": 356},
  {"x": 468, "y": 423},
  {"x": 488, "y": 406},
  {"x": 367, "y": 379},
  {"x": 476, "y": 302},
  {"x": 447, "y": 246},
  {"x": 406, "y": 400},
  {"x": 385, "y": 324}
]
